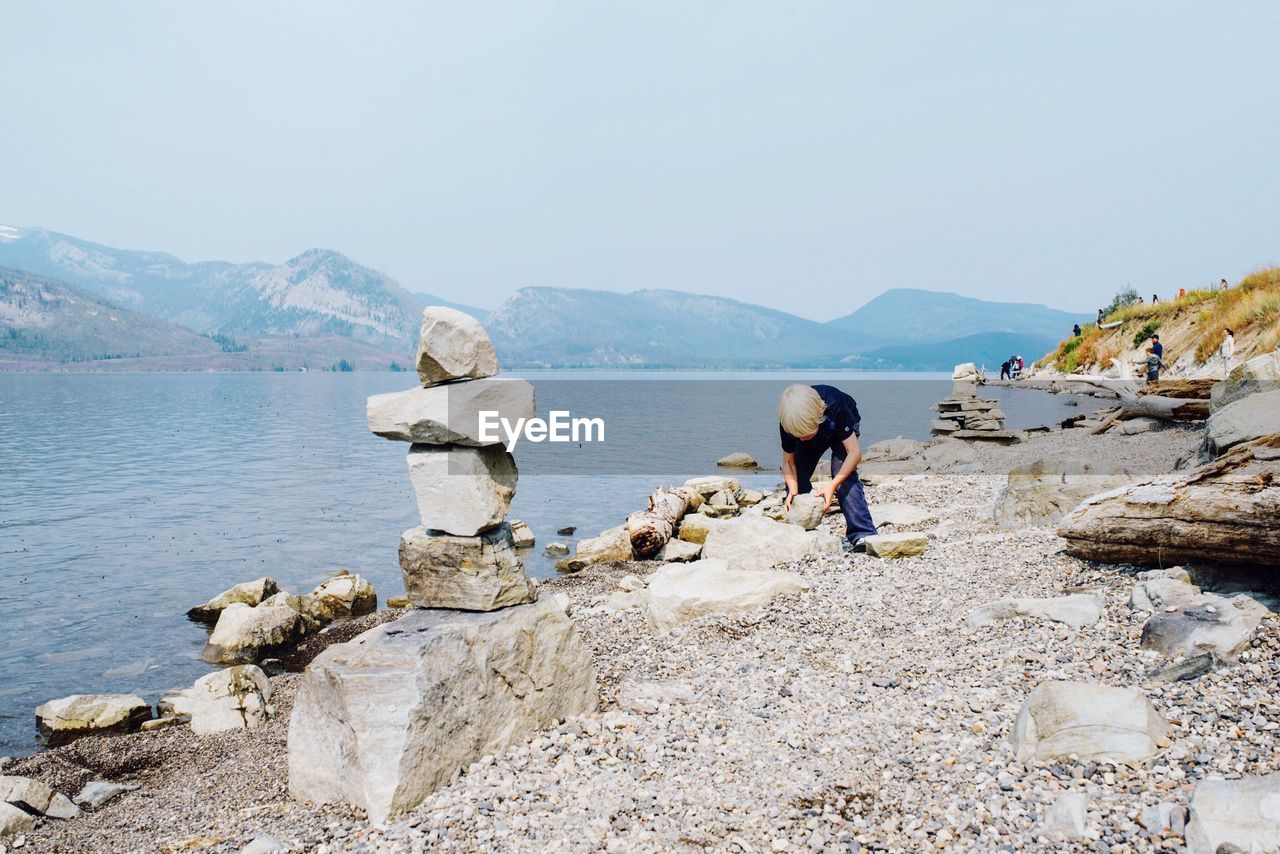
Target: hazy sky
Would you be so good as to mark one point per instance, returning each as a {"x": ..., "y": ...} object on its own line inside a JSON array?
[{"x": 801, "y": 155}]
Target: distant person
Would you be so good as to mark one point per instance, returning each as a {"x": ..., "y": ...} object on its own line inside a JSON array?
[
  {"x": 1222, "y": 286},
  {"x": 1018, "y": 365},
  {"x": 1156, "y": 346},
  {"x": 1141, "y": 301},
  {"x": 1006, "y": 369},
  {"x": 1100, "y": 317},
  {"x": 1155, "y": 298},
  {"x": 1182, "y": 293},
  {"x": 811, "y": 421},
  {"x": 1227, "y": 349},
  {"x": 1075, "y": 331}
]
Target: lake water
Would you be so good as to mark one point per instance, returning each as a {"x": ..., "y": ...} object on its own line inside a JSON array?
[{"x": 127, "y": 498}]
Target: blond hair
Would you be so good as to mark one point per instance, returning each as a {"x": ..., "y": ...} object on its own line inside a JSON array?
[{"x": 800, "y": 410}]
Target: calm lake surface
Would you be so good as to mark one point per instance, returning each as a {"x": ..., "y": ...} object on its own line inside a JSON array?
[{"x": 127, "y": 498}]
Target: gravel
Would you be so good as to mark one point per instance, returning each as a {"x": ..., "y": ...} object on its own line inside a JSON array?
[{"x": 861, "y": 713}]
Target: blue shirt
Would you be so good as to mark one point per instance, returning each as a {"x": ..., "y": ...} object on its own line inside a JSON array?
[
  {"x": 840, "y": 421},
  {"x": 1157, "y": 348}
]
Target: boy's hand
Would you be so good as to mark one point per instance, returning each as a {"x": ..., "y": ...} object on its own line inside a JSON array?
[
  {"x": 786, "y": 505},
  {"x": 827, "y": 491}
]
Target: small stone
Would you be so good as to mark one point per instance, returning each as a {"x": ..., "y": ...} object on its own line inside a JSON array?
[{"x": 98, "y": 792}]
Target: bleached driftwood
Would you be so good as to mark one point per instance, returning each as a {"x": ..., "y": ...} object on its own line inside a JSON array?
[
  {"x": 1221, "y": 513},
  {"x": 1134, "y": 404},
  {"x": 651, "y": 529}
]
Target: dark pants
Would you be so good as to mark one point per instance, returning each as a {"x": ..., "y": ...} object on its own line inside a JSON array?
[{"x": 857, "y": 518}]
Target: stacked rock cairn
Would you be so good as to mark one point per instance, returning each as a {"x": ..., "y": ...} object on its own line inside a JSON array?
[
  {"x": 962, "y": 413},
  {"x": 481, "y": 662}
]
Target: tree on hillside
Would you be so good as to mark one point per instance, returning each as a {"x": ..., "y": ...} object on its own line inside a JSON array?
[{"x": 1123, "y": 297}]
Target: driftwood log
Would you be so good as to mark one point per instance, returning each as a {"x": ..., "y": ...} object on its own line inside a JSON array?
[
  {"x": 1221, "y": 513},
  {"x": 1137, "y": 402},
  {"x": 651, "y": 529}
]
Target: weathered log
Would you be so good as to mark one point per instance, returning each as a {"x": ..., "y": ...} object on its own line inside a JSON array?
[
  {"x": 651, "y": 529},
  {"x": 1180, "y": 388},
  {"x": 1135, "y": 404},
  {"x": 1221, "y": 513}
]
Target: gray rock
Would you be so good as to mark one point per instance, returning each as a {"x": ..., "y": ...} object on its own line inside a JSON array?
[
  {"x": 1077, "y": 610},
  {"x": 1214, "y": 624},
  {"x": 64, "y": 720},
  {"x": 611, "y": 545},
  {"x": 37, "y": 797},
  {"x": 462, "y": 491},
  {"x": 382, "y": 721},
  {"x": 1088, "y": 720},
  {"x": 521, "y": 536},
  {"x": 1244, "y": 813},
  {"x": 681, "y": 592},
  {"x": 556, "y": 549},
  {"x": 341, "y": 597},
  {"x": 1045, "y": 491},
  {"x": 1246, "y": 419},
  {"x": 452, "y": 345},
  {"x": 234, "y": 698},
  {"x": 1258, "y": 375},
  {"x": 244, "y": 634},
  {"x": 710, "y": 485},
  {"x": 905, "y": 544},
  {"x": 175, "y": 704},
  {"x": 250, "y": 593},
  {"x": 480, "y": 573},
  {"x": 754, "y": 542},
  {"x": 806, "y": 511},
  {"x": 678, "y": 551},
  {"x": 1189, "y": 669},
  {"x": 1064, "y": 818},
  {"x": 1154, "y": 594},
  {"x": 948, "y": 453},
  {"x": 98, "y": 792},
  {"x": 1161, "y": 819},
  {"x": 14, "y": 821},
  {"x": 1134, "y": 426},
  {"x": 737, "y": 460},
  {"x": 889, "y": 450},
  {"x": 897, "y": 514},
  {"x": 449, "y": 414}
]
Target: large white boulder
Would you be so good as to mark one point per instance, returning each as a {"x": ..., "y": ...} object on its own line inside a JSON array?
[
  {"x": 248, "y": 593},
  {"x": 1260, "y": 374},
  {"x": 453, "y": 345},
  {"x": 685, "y": 591},
  {"x": 612, "y": 544},
  {"x": 480, "y": 573},
  {"x": 37, "y": 797},
  {"x": 68, "y": 718},
  {"x": 341, "y": 597},
  {"x": 1244, "y": 420},
  {"x": 756, "y": 542},
  {"x": 243, "y": 634},
  {"x": 966, "y": 371},
  {"x": 382, "y": 721},
  {"x": 1044, "y": 491},
  {"x": 1219, "y": 624},
  {"x": 1244, "y": 814},
  {"x": 1088, "y": 720},
  {"x": 449, "y": 414},
  {"x": 1077, "y": 610},
  {"x": 233, "y": 698},
  {"x": 462, "y": 491}
]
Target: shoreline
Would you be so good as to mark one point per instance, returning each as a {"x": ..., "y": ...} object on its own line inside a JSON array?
[{"x": 862, "y": 707}]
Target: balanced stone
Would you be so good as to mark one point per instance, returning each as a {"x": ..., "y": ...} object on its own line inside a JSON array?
[
  {"x": 449, "y": 414},
  {"x": 453, "y": 345},
  {"x": 479, "y": 573},
  {"x": 382, "y": 721},
  {"x": 462, "y": 491}
]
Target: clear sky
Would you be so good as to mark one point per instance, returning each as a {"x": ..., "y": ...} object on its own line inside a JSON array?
[{"x": 805, "y": 156}]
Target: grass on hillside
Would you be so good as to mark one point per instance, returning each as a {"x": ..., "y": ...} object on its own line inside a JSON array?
[{"x": 1253, "y": 304}]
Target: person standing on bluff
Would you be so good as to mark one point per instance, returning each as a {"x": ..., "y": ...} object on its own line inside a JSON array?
[
  {"x": 811, "y": 421},
  {"x": 1227, "y": 349},
  {"x": 1075, "y": 331}
]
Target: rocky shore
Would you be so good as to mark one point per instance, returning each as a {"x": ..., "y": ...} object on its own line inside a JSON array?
[{"x": 868, "y": 710}]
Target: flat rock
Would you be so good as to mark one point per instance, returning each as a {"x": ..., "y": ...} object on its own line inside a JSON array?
[
  {"x": 462, "y": 491},
  {"x": 694, "y": 528},
  {"x": 1217, "y": 624},
  {"x": 243, "y": 634},
  {"x": 480, "y": 573},
  {"x": 806, "y": 511},
  {"x": 1045, "y": 491},
  {"x": 679, "y": 593},
  {"x": 678, "y": 551},
  {"x": 1077, "y": 610},
  {"x": 452, "y": 345},
  {"x": 905, "y": 544},
  {"x": 1088, "y": 720},
  {"x": 175, "y": 704},
  {"x": 947, "y": 453},
  {"x": 1065, "y": 817},
  {"x": 233, "y": 698},
  {"x": 248, "y": 593},
  {"x": 611, "y": 545},
  {"x": 14, "y": 821},
  {"x": 711, "y": 484},
  {"x": 1006, "y": 437},
  {"x": 898, "y": 514},
  {"x": 36, "y": 797},
  {"x": 1258, "y": 375},
  {"x": 755, "y": 542},
  {"x": 68, "y": 718},
  {"x": 1155, "y": 594},
  {"x": 521, "y": 535},
  {"x": 449, "y": 414},
  {"x": 1243, "y": 813},
  {"x": 892, "y": 449},
  {"x": 965, "y": 372},
  {"x": 383, "y": 720},
  {"x": 97, "y": 792},
  {"x": 1135, "y": 426},
  {"x": 1246, "y": 419},
  {"x": 737, "y": 460}
]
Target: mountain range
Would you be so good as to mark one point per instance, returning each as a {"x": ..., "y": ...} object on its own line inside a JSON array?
[{"x": 67, "y": 301}]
